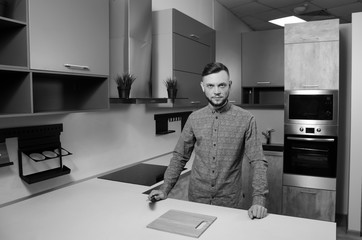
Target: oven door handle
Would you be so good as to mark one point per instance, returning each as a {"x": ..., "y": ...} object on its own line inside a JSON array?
[{"x": 311, "y": 139}]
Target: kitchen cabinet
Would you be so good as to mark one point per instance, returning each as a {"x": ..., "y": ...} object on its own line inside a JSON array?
[
  {"x": 263, "y": 58},
  {"x": 263, "y": 68},
  {"x": 309, "y": 203},
  {"x": 41, "y": 59},
  {"x": 69, "y": 36},
  {"x": 15, "y": 95},
  {"x": 274, "y": 176},
  {"x": 312, "y": 55},
  {"x": 183, "y": 46}
]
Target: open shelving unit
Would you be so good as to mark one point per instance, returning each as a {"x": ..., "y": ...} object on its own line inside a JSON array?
[
  {"x": 26, "y": 91},
  {"x": 263, "y": 97}
]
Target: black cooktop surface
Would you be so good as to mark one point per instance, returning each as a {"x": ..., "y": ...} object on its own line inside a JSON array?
[{"x": 142, "y": 174}]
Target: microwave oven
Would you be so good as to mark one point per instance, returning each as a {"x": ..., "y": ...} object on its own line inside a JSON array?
[{"x": 311, "y": 107}]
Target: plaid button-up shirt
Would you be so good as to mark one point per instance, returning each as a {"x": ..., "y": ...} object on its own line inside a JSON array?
[{"x": 221, "y": 140}]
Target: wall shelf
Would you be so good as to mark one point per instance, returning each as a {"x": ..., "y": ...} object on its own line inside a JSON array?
[
  {"x": 263, "y": 97},
  {"x": 138, "y": 100}
]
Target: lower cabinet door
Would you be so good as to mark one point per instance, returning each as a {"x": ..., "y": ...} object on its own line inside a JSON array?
[
  {"x": 309, "y": 203},
  {"x": 274, "y": 176}
]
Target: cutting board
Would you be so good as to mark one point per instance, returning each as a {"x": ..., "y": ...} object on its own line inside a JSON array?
[{"x": 184, "y": 223}]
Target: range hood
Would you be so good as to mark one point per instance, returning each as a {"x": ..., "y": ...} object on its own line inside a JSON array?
[{"x": 131, "y": 44}]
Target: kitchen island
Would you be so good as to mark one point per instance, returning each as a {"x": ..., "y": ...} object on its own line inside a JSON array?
[{"x": 103, "y": 209}]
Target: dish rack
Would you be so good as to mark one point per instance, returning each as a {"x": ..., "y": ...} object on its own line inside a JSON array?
[{"x": 41, "y": 143}]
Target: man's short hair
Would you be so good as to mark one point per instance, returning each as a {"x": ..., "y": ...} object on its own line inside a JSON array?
[{"x": 214, "y": 67}]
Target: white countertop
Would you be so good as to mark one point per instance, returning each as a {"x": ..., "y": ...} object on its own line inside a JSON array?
[{"x": 102, "y": 209}]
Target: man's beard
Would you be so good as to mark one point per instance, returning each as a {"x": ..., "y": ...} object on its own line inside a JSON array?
[{"x": 217, "y": 105}]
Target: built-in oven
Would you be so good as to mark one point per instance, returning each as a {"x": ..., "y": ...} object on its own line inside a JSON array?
[
  {"x": 317, "y": 106},
  {"x": 310, "y": 156}
]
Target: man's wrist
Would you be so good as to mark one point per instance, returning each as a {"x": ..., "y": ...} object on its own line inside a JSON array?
[{"x": 259, "y": 200}]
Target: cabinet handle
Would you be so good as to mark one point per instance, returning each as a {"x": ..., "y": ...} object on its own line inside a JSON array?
[
  {"x": 312, "y": 193},
  {"x": 232, "y": 101},
  {"x": 73, "y": 66},
  {"x": 194, "y": 36},
  {"x": 195, "y": 102},
  {"x": 263, "y": 83},
  {"x": 310, "y": 86},
  {"x": 311, "y": 139}
]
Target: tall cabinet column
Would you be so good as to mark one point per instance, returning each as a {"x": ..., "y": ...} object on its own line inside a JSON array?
[{"x": 355, "y": 177}]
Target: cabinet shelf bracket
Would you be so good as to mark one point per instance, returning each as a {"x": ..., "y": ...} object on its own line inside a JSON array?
[{"x": 163, "y": 119}]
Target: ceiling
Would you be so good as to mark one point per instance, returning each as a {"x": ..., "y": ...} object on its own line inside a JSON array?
[{"x": 257, "y": 13}]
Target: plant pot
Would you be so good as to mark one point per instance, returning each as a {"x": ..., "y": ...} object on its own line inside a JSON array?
[
  {"x": 171, "y": 93},
  {"x": 123, "y": 92}
]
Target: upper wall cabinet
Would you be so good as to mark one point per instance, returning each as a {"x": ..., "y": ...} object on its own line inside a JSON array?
[
  {"x": 73, "y": 32},
  {"x": 13, "y": 37},
  {"x": 182, "y": 47},
  {"x": 69, "y": 36},
  {"x": 262, "y": 69},
  {"x": 312, "y": 55},
  {"x": 263, "y": 58}
]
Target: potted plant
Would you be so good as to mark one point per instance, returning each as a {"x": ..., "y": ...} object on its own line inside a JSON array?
[
  {"x": 124, "y": 83},
  {"x": 171, "y": 85}
]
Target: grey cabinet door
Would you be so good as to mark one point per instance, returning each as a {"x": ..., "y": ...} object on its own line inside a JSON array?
[
  {"x": 69, "y": 36},
  {"x": 191, "y": 28},
  {"x": 189, "y": 88},
  {"x": 263, "y": 58},
  {"x": 189, "y": 55},
  {"x": 274, "y": 176}
]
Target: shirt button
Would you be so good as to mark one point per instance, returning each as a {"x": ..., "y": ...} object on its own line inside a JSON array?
[
  {"x": 214, "y": 144},
  {"x": 217, "y": 117}
]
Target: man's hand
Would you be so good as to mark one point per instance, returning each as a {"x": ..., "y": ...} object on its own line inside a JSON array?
[
  {"x": 257, "y": 211},
  {"x": 156, "y": 195}
]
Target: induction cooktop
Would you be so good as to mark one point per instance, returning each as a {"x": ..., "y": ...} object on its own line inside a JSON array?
[{"x": 142, "y": 174}]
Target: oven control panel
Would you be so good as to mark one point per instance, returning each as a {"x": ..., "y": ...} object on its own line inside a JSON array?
[{"x": 317, "y": 130}]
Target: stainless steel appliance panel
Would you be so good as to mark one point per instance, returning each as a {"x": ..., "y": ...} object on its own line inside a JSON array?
[
  {"x": 313, "y": 107},
  {"x": 310, "y": 155},
  {"x": 309, "y": 182}
]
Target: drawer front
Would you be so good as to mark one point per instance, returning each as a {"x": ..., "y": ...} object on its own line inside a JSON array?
[
  {"x": 189, "y": 55},
  {"x": 309, "y": 203},
  {"x": 191, "y": 28}
]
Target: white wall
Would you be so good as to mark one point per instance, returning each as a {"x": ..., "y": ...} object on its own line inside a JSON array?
[
  {"x": 100, "y": 142},
  {"x": 228, "y": 46},
  {"x": 355, "y": 183}
]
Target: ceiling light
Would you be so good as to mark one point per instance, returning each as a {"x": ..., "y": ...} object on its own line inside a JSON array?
[{"x": 286, "y": 20}]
